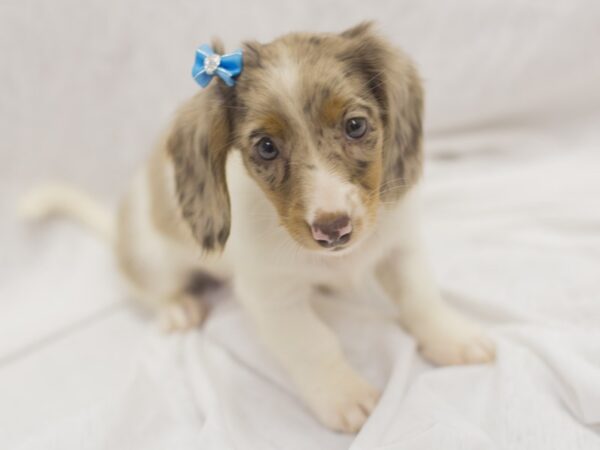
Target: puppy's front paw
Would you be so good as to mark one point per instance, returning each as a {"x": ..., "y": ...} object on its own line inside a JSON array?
[
  {"x": 181, "y": 314},
  {"x": 343, "y": 404},
  {"x": 455, "y": 340}
]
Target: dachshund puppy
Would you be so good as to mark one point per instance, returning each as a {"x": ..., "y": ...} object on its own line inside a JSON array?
[{"x": 302, "y": 174}]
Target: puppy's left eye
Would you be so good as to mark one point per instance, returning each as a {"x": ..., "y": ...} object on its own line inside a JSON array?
[
  {"x": 267, "y": 149},
  {"x": 356, "y": 127}
]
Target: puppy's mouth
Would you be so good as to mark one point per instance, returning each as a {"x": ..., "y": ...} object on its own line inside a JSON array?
[
  {"x": 342, "y": 249},
  {"x": 337, "y": 243},
  {"x": 339, "y": 249}
]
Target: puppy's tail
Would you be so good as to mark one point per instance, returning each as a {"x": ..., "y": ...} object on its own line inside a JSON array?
[{"x": 60, "y": 199}]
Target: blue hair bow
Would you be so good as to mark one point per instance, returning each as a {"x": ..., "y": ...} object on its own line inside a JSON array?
[{"x": 208, "y": 64}]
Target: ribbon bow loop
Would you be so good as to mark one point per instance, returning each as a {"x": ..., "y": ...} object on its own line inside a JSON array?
[{"x": 208, "y": 64}]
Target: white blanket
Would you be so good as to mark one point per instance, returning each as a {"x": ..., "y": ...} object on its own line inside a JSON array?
[
  {"x": 512, "y": 221},
  {"x": 523, "y": 261}
]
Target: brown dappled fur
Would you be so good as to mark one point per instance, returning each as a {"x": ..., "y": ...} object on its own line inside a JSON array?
[
  {"x": 338, "y": 75},
  {"x": 198, "y": 144}
]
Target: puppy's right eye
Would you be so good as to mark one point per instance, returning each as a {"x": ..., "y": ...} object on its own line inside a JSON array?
[
  {"x": 267, "y": 149},
  {"x": 356, "y": 127}
]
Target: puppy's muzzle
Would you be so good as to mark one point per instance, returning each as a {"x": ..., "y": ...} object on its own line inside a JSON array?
[{"x": 333, "y": 231}]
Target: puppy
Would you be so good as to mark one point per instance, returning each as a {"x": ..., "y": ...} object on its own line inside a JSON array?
[{"x": 302, "y": 174}]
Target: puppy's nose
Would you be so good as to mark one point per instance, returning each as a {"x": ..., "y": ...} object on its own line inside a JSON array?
[{"x": 332, "y": 231}]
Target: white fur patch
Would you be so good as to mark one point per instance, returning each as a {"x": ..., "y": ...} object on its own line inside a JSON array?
[
  {"x": 329, "y": 193},
  {"x": 284, "y": 77}
]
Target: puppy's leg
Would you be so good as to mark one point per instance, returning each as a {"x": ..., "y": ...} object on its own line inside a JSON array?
[
  {"x": 159, "y": 287},
  {"x": 175, "y": 307},
  {"x": 443, "y": 334},
  {"x": 156, "y": 266},
  {"x": 180, "y": 312},
  {"x": 309, "y": 352},
  {"x": 186, "y": 307}
]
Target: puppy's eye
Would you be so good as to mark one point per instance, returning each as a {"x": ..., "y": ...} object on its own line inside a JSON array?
[
  {"x": 267, "y": 149},
  {"x": 356, "y": 127}
]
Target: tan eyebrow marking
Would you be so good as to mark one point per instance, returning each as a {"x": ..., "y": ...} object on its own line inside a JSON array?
[
  {"x": 332, "y": 109},
  {"x": 272, "y": 125}
]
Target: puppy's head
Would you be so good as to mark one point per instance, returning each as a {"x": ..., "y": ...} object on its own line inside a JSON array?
[{"x": 329, "y": 127}]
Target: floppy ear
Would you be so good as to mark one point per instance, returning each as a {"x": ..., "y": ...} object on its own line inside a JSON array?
[
  {"x": 393, "y": 81},
  {"x": 198, "y": 144}
]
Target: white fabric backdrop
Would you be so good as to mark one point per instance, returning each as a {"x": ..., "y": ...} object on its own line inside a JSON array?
[{"x": 513, "y": 225}]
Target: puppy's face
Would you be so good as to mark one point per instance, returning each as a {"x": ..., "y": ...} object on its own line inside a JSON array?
[
  {"x": 311, "y": 135},
  {"x": 328, "y": 126}
]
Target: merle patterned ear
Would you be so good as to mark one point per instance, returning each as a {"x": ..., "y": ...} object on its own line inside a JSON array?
[
  {"x": 361, "y": 29},
  {"x": 198, "y": 144},
  {"x": 217, "y": 45},
  {"x": 393, "y": 81},
  {"x": 252, "y": 54}
]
